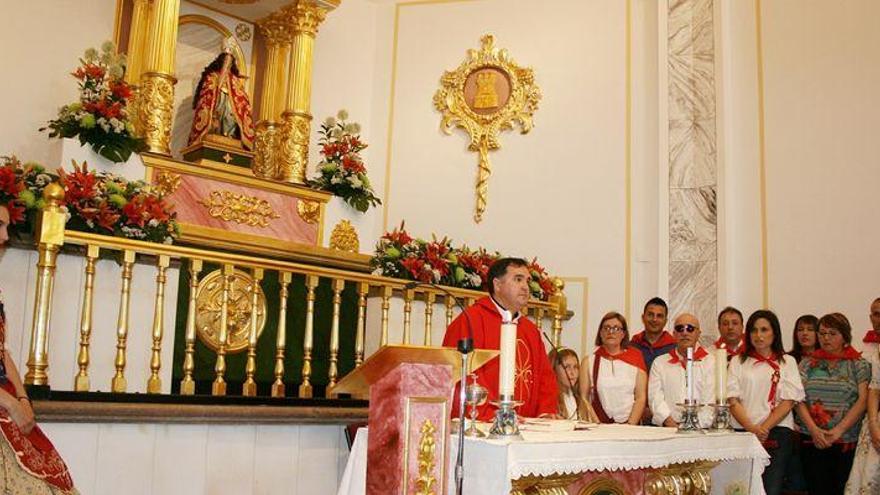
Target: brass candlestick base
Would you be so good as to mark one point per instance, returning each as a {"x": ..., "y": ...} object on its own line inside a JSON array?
[
  {"x": 721, "y": 419},
  {"x": 690, "y": 421},
  {"x": 506, "y": 425}
]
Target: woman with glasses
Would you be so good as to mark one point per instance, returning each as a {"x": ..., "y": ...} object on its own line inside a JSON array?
[
  {"x": 619, "y": 381},
  {"x": 804, "y": 337},
  {"x": 571, "y": 403},
  {"x": 836, "y": 382},
  {"x": 763, "y": 386}
]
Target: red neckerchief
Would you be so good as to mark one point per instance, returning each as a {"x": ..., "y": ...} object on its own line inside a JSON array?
[
  {"x": 629, "y": 356},
  {"x": 665, "y": 339},
  {"x": 773, "y": 363},
  {"x": 872, "y": 337},
  {"x": 848, "y": 354},
  {"x": 675, "y": 358},
  {"x": 730, "y": 352}
]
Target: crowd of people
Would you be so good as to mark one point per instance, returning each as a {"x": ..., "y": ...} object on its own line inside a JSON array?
[{"x": 814, "y": 408}]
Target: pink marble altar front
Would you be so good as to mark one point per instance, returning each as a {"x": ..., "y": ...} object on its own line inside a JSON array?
[
  {"x": 408, "y": 447},
  {"x": 282, "y": 221}
]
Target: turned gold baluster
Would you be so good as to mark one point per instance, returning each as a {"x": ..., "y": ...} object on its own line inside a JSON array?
[
  {"x": 119, "y": 384},
  {"x": 305, "y": 389},
  {"x": 450, "y": 304},
  {"x": 363, "y": 289},
  {"x": 338, "y": 286},
  {"x": 557, "y": 328},
  {"x": 539, "y": 318},
  {"x": 249, "y": 388},
  {"x": 408, "y": 296},
  {"x": 386, "y": 306},
  {"x": 430, "y": 297},
  {"x": 154, "y": 384},
  {"x": 188, "y": 385},
  {"x": 219, "y": 385},
  {"x": 284, "y": 279},
  {"x": 81, "y": 384}
]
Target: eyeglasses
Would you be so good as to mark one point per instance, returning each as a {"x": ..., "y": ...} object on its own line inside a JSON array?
[
  {"x": 685, "y": 327},
  {"x": 611, "y": 329}
]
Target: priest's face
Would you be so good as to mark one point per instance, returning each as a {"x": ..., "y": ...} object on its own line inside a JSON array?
[
  {"x": 512, "y": 288},
  {"x": 875, "y": 315},
  {"x": 687, "y": 331}
]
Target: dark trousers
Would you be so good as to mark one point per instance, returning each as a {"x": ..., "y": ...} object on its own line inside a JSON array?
[
  {"x": 828, "y": 469},
  {"x": 780, "y": 446}
]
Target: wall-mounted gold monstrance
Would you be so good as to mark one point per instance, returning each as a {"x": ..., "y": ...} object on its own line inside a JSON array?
[{"x": 486, "y": 94}]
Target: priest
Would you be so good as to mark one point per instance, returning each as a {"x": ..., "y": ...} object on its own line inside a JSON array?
[{"x": 535, "y": 382}]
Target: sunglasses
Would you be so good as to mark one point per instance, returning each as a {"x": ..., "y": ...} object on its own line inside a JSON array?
[{"x": 685, "y": 327}]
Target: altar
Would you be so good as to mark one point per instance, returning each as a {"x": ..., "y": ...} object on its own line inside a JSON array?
[{"x": 607, "y": 459}]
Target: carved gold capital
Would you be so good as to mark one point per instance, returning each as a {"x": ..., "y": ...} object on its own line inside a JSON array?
[
  {"x": 306, "y": 16},
  {"x": 344, "y": 237},
  {"x": 239, "y": 208},
  {"x": 277, "y": 28},
  {"x": 265, "y": 150},
  {"x": 155, "y": 110},
  {"x": 293, "y": 147}
]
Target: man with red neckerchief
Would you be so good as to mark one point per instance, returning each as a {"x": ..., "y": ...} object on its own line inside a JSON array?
[
  {"x": 667, "y": 384},
  {"x": 730, "y": 330},
  {"x": 535, "y": 383},
  {"x": 872, "y": 338},
  {"x": 654, "y": 340}
]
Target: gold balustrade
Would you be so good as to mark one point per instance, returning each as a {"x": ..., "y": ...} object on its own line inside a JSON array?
[{"x": 363, "y": 286}]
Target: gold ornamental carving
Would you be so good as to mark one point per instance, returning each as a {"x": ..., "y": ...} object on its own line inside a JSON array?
[
  {"x": 265, "y": 156},
  {"x": 166, "y": 183},
  {"x": 543, "y": 485},
  {"x": 155, "y": 108},
  {"x": 427, "y": 459},
  {"x": 690, "y": 478},
  {"x": 239, "y": 208},
  {"x": 306, "y": 17},
  {"x": 209, "y": 300},
  {"x": 243, "y": 31},
  {"x": 488, "y": 93},
  {"x": 603, "y": 485},
  {"x": 344, "y": 237},
  {"x": 309, "y": 211},
  {"x": 293, "y": 147}
]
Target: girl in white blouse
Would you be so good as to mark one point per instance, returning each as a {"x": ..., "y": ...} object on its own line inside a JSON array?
[
  {"x": 763, "y": 385},
  {"x": 618, "y": 376}
]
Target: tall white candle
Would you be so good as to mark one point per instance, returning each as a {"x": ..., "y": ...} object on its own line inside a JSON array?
[
  {"x": 721, "y": 374},
  {"x": 689, "y": 378},
  {"x": 508, "y": 359}
]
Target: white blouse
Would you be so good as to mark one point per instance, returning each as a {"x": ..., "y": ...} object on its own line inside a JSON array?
[
  {"x": 750, "y": 381},
  {"x": 616, "y": 388},
  {"x": 667, "y": 387},
  {"x": 570, "y": 405},
  {"x": 871, "y": 355}
]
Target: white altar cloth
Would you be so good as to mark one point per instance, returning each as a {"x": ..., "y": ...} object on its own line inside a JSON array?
[{"x": 490, "y": 465}]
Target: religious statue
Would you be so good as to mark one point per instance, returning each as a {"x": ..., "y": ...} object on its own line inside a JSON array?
[{"x": 220, "y": 105}]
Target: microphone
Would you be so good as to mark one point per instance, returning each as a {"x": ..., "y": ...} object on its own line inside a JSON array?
[{"x": 465, "y": 347}]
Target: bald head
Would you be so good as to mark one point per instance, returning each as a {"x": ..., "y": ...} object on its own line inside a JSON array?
[{"x": 687, "y": 331}]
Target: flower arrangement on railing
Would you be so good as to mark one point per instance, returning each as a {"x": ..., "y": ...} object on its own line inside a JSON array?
[
  {"x": 399, "y": 255},
  {"x": 341, "y": 170},
  {"x": 101, "y": 203},
  {"x": 100, "y": 118}
]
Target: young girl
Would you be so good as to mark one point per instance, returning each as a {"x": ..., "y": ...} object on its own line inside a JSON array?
[{"x": 571, "y": 403}]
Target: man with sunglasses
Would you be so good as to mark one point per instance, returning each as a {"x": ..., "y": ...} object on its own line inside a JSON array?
[{"x": 667, "y": 386}]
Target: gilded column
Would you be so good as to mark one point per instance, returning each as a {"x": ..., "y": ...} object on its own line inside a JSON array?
[
  {"x": 140, "y": 22},
  {"x": 293, "y": 146},
  {"x": 278, "y": 33},
  {"x": 156, "y": 99}
]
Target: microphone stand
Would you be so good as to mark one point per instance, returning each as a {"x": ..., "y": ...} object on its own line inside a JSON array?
[{"x": 465, "y": 347}]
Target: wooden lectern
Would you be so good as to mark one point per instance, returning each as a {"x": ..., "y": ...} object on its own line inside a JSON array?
[{"x": 410, "y": 391}]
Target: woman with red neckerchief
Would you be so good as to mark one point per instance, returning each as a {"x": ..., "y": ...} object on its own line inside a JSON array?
[
  {"x": 29, "y": 463},
  {"x": 836, "y": 383},
  {"x": 804, "y": 337},
  {"x": 763, "y": 386},
  {"x": 618, "y": 380}
]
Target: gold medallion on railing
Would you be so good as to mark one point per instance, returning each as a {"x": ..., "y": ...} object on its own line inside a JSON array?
[{"x": 209, "y": 298}]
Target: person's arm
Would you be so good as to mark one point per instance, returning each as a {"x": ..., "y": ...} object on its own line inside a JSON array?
[
  {"x": 873, "y": 419},
  {"x": 853, "y": 415},
  {"x": 661, "y": 412},
  {"x": 816, "y": 433},
  {"x": 641, "y": 397},
  {"x": 19, "y": 405},
  {"x": 777, "y": 414},
  {"x": 585, "y": 381}
]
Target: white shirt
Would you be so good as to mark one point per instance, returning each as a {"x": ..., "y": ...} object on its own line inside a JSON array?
[
  {"x": 871, "y": 355},
  {"x": 667, "y": 387},
  {"x": 570, "y": 405},
  {"x": 750, "y": 381},
  {"x": 616, "y": 388}
]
